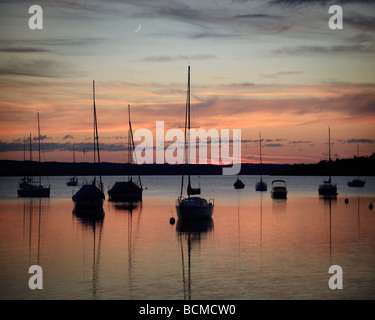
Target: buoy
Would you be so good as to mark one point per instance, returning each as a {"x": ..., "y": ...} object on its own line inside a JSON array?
[
  {"x": 370, "y": 206},
  {"x": 171, "y": 220},
  {"x": 346, "y": 200}
]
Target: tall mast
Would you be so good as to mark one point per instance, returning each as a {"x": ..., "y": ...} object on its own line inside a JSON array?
[
  {"x": 74, "y": 155},
  {"x": 188, "y": 123},
  {"x": 96, "y": 137},
  {"x": 260, "y": 147},
  {"x": 31, "y": 158},
  {"x": 260, "y": 154},
  {"x": 39, "y": 147},
  {"x": 329, "y": 143},
  {"x": 132, "y": 147}
]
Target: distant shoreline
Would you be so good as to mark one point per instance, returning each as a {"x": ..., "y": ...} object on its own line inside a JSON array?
[{"x": 357, "y": 166}]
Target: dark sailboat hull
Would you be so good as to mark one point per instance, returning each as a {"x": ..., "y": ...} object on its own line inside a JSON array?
[{"x": 34, "y": 192}]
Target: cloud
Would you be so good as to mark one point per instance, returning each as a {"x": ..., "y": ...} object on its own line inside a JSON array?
[
  {"x": 23, "y": 50},
  {"x": 252, "y": 16},
  {"x": 337, "y": 49},
  {"x": 37, "y": 68},
  {"x": 296, "y": 3},
  {"x": 68, "y": 136},
  {"x": 276, "y": 75},
  {"x": 360, "y": 22},
  {"x": 299, "y": 142},
  {"x": 361, "y": 141},
  {"x": 273, "y": 145},
  {"x": 167, "y": 58}
]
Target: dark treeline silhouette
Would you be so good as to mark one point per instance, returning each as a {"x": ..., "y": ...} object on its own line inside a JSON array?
[{"x": 362, "y": 166}]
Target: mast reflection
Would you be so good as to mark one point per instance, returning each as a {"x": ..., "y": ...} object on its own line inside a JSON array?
[
  {"x": 92, "y": 219},
  {"x": 192, "y": 231}
]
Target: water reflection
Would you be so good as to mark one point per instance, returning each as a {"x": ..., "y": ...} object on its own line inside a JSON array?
[
  {"x": 133, "y": 209},
  {"x": 92, "y": 219},
  {"x": 279, "y": 204},
  {"x": 32, "y": 217},
  {"x": 191, "y": 231},
  {"x": 129, "y": 206},
  {"x": 89, "y": 216}
]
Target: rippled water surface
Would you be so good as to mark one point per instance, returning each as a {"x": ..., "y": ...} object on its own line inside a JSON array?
[{"x": 254, "y": 247}]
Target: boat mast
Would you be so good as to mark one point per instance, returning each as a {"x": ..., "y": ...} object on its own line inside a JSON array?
[
  {"x": 260, "y": 154},
  {"x": 188, "y": 123},
  {"x": 329, "y": 143},
  {"x": 40, "y": 179},
  {"x": 31, "y": 159},
  {"x": 329, "y": 149},
  {"x": 133, "y": 147},
  {"x": 96, "y": 137}
]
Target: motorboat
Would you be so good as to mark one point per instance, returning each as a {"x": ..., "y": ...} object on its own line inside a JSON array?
[{"x": 279, "y": 190}]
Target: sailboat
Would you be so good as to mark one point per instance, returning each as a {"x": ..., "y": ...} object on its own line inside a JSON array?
[
  {"x": 74, "y": 180},
  {"x": 26, "y": 180},
  {"x": 327, "y": 188},
  {"x": 357, "y": 183},
  {"x": 192, "y": 206},
  {"x": 238, "y": 184},
  {"x": 28, "y": 186},
  {"x": 127, "y": 190},
  {"x": 260, "y": 185},
  {"x": 91, "y": 195}
]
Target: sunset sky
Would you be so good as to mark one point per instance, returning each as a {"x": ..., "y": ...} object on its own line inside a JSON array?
[{"x": 273, "y": 67}]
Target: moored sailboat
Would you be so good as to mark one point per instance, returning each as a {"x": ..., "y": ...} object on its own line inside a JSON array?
[
  {"x": 193, "y": 206},
  {"x": 327, "y": 188},
  {"x": 357, "y": 183},
  {"x": 29, "y": 187},
  {"x": 238, "y": 184},
  {"x": 127, "y": 190},
  {"x": 73, "y": 181},
  {"x": 260, "y": 185},
  {"x": 91, "y": 195}
]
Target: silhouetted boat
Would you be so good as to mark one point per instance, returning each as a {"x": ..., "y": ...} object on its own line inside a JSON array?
[
  {"x": 74, "y": 180},
  {"x": 192, "y": 207},
  {"x": 328, "y": 188},
  {"x": 260, "y": 185},
  {"x": 91, "y": 195},
  {"x": 357, "y": 183},
  {"x": 279, "y": 190},
  {"x": 238, "y": 184},
  {"x": 127, "y": 190},
  {"x": 28, "y": 187}
]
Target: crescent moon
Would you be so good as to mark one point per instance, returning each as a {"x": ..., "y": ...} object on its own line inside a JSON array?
[{"x": 138, "y": 29}]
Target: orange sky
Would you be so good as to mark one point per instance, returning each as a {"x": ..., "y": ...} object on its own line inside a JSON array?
[{"x": 275, "y": 69}]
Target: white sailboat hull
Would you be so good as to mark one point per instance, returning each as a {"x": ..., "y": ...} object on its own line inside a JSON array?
[{"x": 194, "y": 208}]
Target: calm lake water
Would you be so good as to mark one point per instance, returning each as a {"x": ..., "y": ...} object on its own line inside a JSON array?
[{"x": 254, "y": 247}]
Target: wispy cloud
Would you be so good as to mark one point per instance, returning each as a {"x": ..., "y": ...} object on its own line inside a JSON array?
[
  {"x": 361, "y": 141},
  {"x": 335, "y": 49},
  {"x": 166, "y": 58},
  {"x": 37, "y": 68},
  {"x": 296, "y": 3},
  {"x": 279, "y": 74}
]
